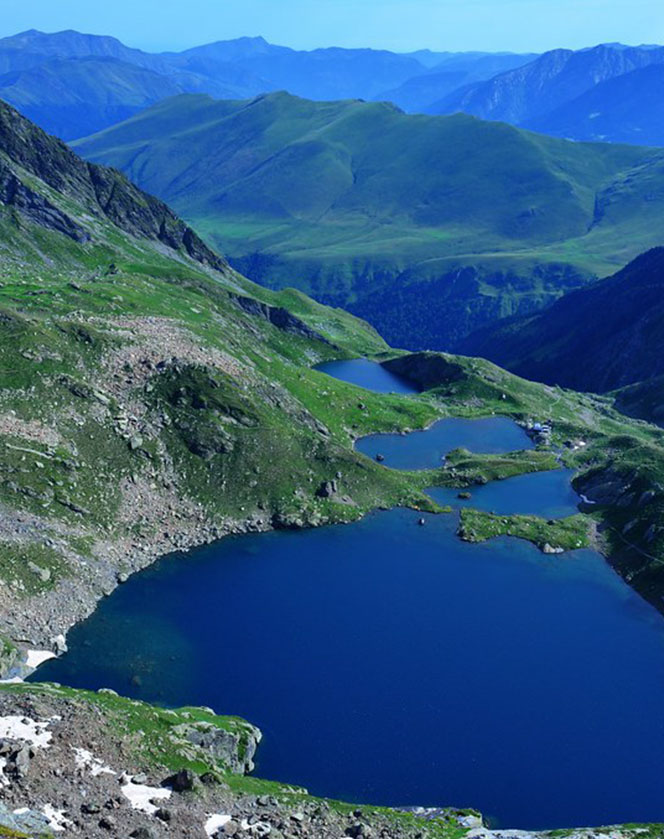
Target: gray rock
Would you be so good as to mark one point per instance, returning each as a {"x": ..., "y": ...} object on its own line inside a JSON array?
[
  {"x": 143, "y": 833},
  {"x": 327, "y": 489},
  {"x": 182, "y": 781}
]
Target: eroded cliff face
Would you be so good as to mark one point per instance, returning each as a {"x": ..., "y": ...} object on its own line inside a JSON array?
[
  {"x": 105, "y": 193},
  {"x": 426, "y": 369}
]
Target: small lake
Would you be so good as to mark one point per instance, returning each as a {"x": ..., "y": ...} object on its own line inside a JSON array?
[
  {"x": 546, "y": 494},
  {"x": 427, "y": 449},
  {"x": 367, "y": 374},
  {"x": 394, "y": 664}
]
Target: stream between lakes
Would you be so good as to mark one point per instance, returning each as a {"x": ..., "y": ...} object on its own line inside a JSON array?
[{"x": 394, "y": 664}]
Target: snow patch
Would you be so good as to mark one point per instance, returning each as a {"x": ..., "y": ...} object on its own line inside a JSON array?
[
  {"x": 27, "y": 730},
  {"x": 86, "y": 760},
  {"x": 258, "y": 829},
  {"x": 215, "y": 822},
  {"x": 141, "y": 796},
  {"x": 56, "y": 818},
  {"x": 37, "y": 657}
]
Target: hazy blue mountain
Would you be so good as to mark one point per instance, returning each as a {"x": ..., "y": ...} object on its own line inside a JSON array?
[
  {"x": 71, "y": 98},
  {"x": 55, "y": 77},
  {"x": 527, "y": 93},
  {"x": 429, "y": 58},
  {"x": 321, "y": 74},
  {"x": 30, "y": 48},
  {"x": 451, "y": 73},
  {"x": 625, "y": 109}
]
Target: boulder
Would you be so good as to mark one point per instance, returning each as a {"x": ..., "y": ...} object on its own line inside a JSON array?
[{"x": 327, "y": 489}]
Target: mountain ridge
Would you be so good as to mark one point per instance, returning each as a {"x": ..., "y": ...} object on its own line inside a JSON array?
[{"x": 356, "y": 202}]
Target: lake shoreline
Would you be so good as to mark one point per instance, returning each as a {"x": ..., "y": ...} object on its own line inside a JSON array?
[{"x": 67, "y": 613}]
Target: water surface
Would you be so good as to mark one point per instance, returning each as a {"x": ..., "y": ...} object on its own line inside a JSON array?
[
  {"x": 427, "y": 449},
  {"x": 546, "y": 494},
  {"x": 395, "y": 664},
  {"x": 367, "y": 374}
]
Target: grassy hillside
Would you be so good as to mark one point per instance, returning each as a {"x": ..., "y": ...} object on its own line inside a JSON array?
[{"x": 357, "y": 202}]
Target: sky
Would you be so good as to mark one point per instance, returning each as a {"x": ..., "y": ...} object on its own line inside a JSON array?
[{"x": 400, "y": 25}]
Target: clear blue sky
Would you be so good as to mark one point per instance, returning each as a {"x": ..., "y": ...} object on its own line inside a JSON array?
[{"x": 520, "y": 25}]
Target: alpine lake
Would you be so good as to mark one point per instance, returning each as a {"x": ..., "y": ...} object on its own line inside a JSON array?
[{"x": 388, "y": 663}]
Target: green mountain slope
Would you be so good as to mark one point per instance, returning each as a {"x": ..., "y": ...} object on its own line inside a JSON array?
[
  {"x": 599, "y": 338},
  {"x": 357, "y": 202}
]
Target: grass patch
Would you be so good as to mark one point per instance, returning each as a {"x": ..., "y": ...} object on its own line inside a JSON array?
[{"x": 558, "y": 534}]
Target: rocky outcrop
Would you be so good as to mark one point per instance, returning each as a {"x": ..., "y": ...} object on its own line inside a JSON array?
[
  {"x": 279, "y": 317},
  {"x": 234, "y": 749},
  {"x": 101, "y": 191},
  {"x": 86, "y": 773},
  {"x": 37, "y": 209},
  {"x": 425, "y": 369}
]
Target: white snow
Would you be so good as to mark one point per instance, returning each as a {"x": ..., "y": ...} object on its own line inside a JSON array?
[
  {"x": 258, "y": 829},
  {"x": 37, "y": 657},
  {"x": 141, "y": 796},
  {"x": 86, "y": 760},
  {"x": 216, "y": 821},
  {"x": 56, "y": 818},
  {"x": 27, "y": 730}
]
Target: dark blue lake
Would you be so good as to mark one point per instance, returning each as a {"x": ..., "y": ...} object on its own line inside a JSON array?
[
  {"x": 546, "y": 494},
  {"x": 367, "y": 374},
  {"x": 427, "y": 449},
  {"x": 395, "y": 664}
]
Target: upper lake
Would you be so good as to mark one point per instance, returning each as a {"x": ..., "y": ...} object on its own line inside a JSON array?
[{"x": 367, "y": 374}]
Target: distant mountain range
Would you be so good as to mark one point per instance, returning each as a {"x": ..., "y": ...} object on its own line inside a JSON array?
[
  {"x": 426, "y": 226},
  {"x": 624, "y": 109},
  {"x": 74, "y": 84},
  {"x": 607, "y": 93},
  {"x": 600, "y": 338}
]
